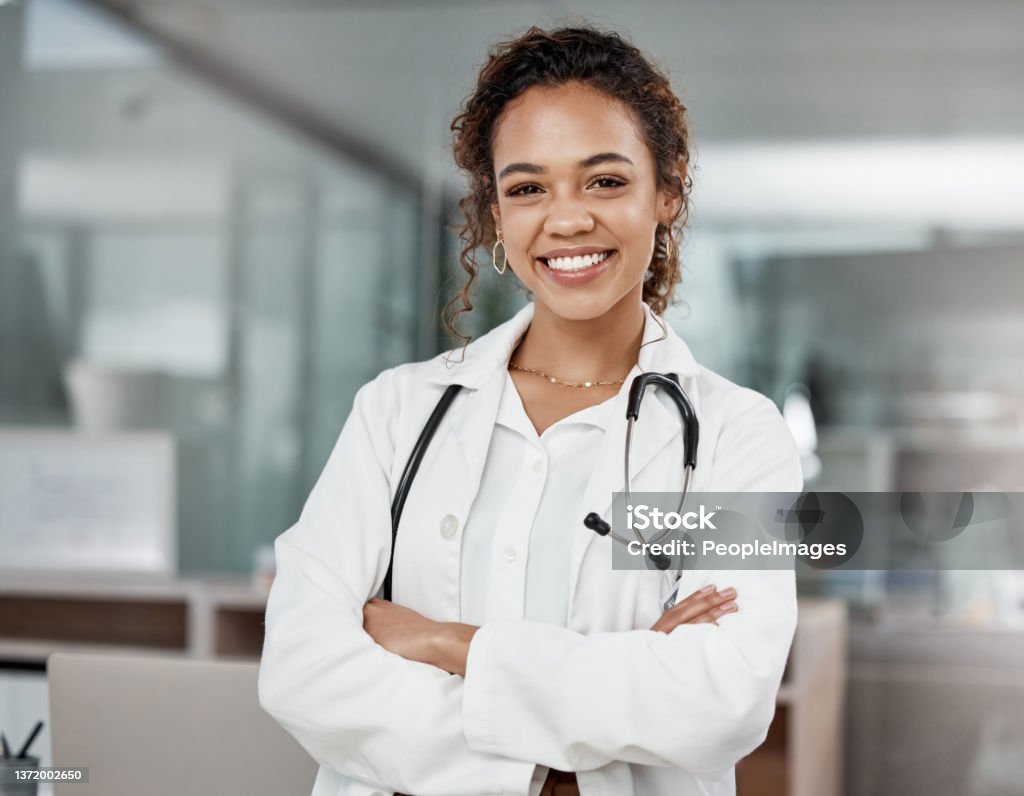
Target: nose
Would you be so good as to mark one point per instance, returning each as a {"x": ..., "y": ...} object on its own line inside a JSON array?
[{"x": 568, "y": 216}]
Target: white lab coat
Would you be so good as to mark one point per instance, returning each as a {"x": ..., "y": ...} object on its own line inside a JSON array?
[{"x": 632, "y": 711}]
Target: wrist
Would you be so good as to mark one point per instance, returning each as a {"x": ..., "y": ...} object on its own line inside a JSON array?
[{"x": 451, "y": 648}]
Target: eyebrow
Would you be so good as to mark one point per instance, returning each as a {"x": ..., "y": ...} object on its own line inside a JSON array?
[{"x": 586, "y": 163}]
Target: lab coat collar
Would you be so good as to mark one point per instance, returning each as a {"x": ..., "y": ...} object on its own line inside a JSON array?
[{"x": 661, "y": 350}]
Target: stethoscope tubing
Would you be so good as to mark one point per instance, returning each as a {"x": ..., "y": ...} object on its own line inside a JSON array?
[
  {"x": 687, "y": 472},
  {"x": 691, "y": 428},
  {"x": 691, "y": 435}
]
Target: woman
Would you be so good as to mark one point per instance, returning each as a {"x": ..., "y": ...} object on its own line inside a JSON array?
[{"x": 514, "y": 659}]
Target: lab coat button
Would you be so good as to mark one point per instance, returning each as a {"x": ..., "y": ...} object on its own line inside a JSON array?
[
  {"x": 510, "y": 554},
  {"x": 449, "y": 525},
  {"x": 538, "y": 466}
]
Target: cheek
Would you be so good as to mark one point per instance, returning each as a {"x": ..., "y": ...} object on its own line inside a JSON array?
[
  {"x": 635, "y": 228},
  {"x": 520, "y": 231},
  {"x": 636, "y": 219}
]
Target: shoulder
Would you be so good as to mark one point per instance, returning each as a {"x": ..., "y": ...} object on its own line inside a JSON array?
[
  {"x": 396, "y": 403},
  {"x": 750, "y": 445},
  {"x": 411, "y": 383},
  {"x": 732, "y": 403},
  {"x": 419, "y": 384},
  {"x": 384, "y": 401},
  {"x": 719, "y": 402}
]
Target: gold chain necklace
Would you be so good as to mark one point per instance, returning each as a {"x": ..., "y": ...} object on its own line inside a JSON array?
[{"x": 555, "y": 380}]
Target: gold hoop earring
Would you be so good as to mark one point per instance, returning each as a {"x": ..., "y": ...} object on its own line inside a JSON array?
[
  {"x": 494, "y": 255},
  {"x": 667, "y": 246}
]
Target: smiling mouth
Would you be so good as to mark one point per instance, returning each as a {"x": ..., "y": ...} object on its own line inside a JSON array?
[{"x": 571, "y": 264}]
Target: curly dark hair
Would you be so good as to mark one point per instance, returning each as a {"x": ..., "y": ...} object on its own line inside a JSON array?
[{"x": 602, "y": 60}]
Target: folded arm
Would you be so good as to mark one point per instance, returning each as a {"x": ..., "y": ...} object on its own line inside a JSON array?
[
  {"x": 354, "y": 706},
  {"x": 699, "y": 698}
]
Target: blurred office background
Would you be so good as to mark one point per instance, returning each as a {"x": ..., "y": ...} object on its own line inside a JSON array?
[{"x": 218, "y": 219}]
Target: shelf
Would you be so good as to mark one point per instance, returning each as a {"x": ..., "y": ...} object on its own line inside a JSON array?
[
  {"x": 146, "y": 623},
  {"x": 239, "y": 632},
  {"x": 766, "y": 772},
  {"x": 197, "y": 617},
  {"x": 802, "y": 753},
  {"x": 37, "y": 651}
]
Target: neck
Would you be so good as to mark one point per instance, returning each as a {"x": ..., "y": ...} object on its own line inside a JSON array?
[{"x": 600, "y": 349}]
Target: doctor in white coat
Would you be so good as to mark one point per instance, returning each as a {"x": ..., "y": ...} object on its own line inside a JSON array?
[{"x": 513, "y": 658}]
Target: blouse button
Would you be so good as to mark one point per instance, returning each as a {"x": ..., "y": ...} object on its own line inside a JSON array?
[
  {"x": 449, "y": 525},
  {"x": 510, "y": 554}
]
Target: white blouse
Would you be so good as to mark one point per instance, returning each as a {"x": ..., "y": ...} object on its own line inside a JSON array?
[{"x": 518, "y": 536}]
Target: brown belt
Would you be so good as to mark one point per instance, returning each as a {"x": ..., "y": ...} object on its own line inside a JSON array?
[{"x": 558, "y": 783}]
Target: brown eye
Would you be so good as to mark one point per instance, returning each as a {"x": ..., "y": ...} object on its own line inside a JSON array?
[
  {"x": 521, "y": 190},
  {"x": 613, "y": 182}
]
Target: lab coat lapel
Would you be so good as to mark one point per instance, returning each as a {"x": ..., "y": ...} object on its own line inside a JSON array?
[
  {"x": 473, "y": 429},
  {"x": 481, "y": 369},
  {"x": 426, "y": 572}
]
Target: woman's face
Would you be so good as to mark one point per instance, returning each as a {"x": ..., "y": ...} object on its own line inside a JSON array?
[{"x": 578, "y": 201}]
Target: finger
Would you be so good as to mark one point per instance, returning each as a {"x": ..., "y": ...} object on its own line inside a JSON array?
[
  {"x": 668, "y": 622},
  {"x": 712, "y": 615},
  {"x": 698, "y": 603},
  {"x": 685, "y": 612}
]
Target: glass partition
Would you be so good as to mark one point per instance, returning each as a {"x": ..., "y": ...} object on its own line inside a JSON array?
[{"x": 177, "y": 261}]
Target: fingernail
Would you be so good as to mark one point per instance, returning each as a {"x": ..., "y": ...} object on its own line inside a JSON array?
[
  {"x": 729, "y": 606},
  {"x": 708, "y": 589},
  {"x": 730, "y": 592}
]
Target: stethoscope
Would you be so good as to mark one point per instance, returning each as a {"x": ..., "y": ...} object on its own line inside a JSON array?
[{"x": 669, "y": 382}]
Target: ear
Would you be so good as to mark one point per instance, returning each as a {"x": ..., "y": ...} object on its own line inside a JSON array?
[
  {"x": 669, "y": 204},
  {"x": 495, "y": 213}
]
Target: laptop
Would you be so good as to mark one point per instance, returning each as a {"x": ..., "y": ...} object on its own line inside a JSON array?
[{"x": 159, "y": 726}]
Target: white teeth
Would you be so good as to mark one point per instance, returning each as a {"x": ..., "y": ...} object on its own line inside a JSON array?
[{"x": 576, "y": 263}]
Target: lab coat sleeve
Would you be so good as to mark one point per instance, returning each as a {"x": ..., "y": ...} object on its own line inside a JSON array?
[
  {"x": 354, "y": 706},
  {"x": 698, "y": 698}
]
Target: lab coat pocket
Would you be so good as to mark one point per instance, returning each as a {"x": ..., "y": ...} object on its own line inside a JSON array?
[{"x": 672, "y": 587}]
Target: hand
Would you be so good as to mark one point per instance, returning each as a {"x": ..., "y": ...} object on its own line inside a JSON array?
[
  {"x": 706, "y": 605},
  {"x": 400, "y": 630},
  {"x": 414, "y": 637}
]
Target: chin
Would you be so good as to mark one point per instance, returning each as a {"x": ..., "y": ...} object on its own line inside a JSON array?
[{"x": 579, "y": 307}]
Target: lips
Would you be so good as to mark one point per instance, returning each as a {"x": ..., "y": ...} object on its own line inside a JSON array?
[
  {"x": 569, "y": 263},
  {"x": 581, "y": 275}
]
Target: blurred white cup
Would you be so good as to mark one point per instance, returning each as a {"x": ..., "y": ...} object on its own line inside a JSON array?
[{"x": 106, "y": 398}]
